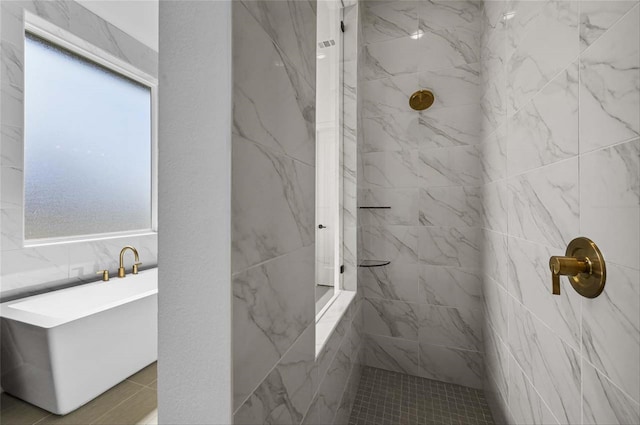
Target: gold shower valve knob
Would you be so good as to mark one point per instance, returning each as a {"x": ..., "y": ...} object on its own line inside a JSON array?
[
  {"x": 583, "y": 264},
  {"x": 421, "y": 100}
]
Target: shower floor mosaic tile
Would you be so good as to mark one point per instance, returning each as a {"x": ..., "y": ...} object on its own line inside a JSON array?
[{"x": 390, "y": 398}]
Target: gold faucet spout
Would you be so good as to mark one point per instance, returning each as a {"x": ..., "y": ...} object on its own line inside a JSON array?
[{"x": 121, "y": 270}]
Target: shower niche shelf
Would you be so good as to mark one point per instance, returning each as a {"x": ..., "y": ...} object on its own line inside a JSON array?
[
  {"x": 374, "y": 263},
  {"x": 375, "y": 208}
]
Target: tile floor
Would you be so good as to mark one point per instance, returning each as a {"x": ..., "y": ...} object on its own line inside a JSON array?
[
  {"x": 131, "y": 402},
  {"x": 390, "y": 398}
]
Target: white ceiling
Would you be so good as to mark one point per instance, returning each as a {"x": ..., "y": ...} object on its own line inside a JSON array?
[{"x": 138, "y": 18}]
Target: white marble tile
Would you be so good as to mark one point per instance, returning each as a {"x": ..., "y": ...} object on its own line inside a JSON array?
[
  {"x": 545, "y": 130},
  {"x": 449, "y": 126},
  {"x": 395, "y": 281},
  {"x": 11, "y": 187},
  {"x": 611, "y": 329},
  {"x": 552, "y": 366},
  {"x": 292, "y": 25},
  {"x": 389, "y": 20},
  {"x": 610, "y": 86},
  {"x": 610, "y": 201},
  {"x": 496, "y": 361},
  {"x": 459, "y": 367},
  {"x": 87, "y": 258},
  {"x": 399, "y": 131},
  {"x": 524, "y": 402},
  {"x": 257, "y": 59},
  {"x": 34, "y": 268},
  {"x": 398, "y": 244},
  {"x": 273, "y": 206},
  {"x": 450, "y": 206},
  {"x": 533, "y": 64},
  {"x": 451, "y": 33},
  {"x": 529, "y": 282},
  {"x": 453, "y": 166},
  {"x": 494, "y": 206},
  {"x": 272, "y": 306},
  {"x": 285, "y": 394},
  {"x": 496, "y": 307},
  {"x": 391, "y": 318},
  {"x": 332, "y": 387},
  {"x": 11, "y": 229},
  {"x": 544, "y": 204},
  {"x": 451, "y": 327},
  {"x": 493, "y": 158},
  {"x": 12, "y": 152},
  {"x": 452, "y": 86},
  {"x": 603, "y": 402},
  {"x": 451, "y": 287},
  {"x": 597, "y": 16},
  {"x": 395, "y": 354},
  {"x": 494, "y": 256},
  {"x": 391, "y": 169},
  {"x": 442, "y": 246},
  {"x": 388, "y": 95},
  {"x": 390, "y": 58},
  {"x": 403, "y": 203}
]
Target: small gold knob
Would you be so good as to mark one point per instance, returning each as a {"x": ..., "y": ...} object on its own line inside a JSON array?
[
  {"x": 135, "y": 268},
  {"x": 105, "y": 275}
]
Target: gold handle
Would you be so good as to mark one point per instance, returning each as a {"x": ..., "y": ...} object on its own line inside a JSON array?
[
  {"x": 135, "y": 268},
  {"x": 583, "y": 264},
  {"x": 105, "y": 275}
]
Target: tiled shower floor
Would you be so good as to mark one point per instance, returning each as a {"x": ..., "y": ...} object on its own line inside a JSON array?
[{"x": 392, "y": 398}]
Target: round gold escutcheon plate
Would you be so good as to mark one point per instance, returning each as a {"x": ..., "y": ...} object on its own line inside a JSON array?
[
  {"x": 588, "y": 285},
  {"x": 421, "y": 100}
]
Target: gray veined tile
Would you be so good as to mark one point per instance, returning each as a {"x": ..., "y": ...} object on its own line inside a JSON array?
[
  {"x": 603, "y": 402},
  {"x": 391, "y": 318},
  {"x": 496, "y": 360},
  {"x": 273, "y": 206},
  {"x": 452, "y": 86},
  {"x": 12, "y": 153},
  {"x": 458, "y": 125},
  {"x": 397, "y": 169},
  {"x": 450, "y": 287},
  {"x": 611, "y": 329},
  {"x": 399, "y": 131},
  {"x": 35, "y": 267},
  {"x": 449, "y": 246},
  {"x": 524, "y": 401},
  {"x": 390, "y": 20},
  {"x": 494, "y": 206},
  {"x": 610, "y": 86},
  {"x": 545, "y": 130},
  {"x": 390, "y": 58},
  {"x": 388, "y": 95},
  {"x": 533, "y": 64},
  {"x": 496, "y": 305},
  {"x": 544, "y": 204},
  {"x": 529, "y": 282},
  {"x": 450, "y": 206},
  {"x": 403, "y": 203},
  {"x": 552, "y": 366},
  {"x": 461, "y": 367},
  {"x": 273, "y": 305},
  {"x": 395, "y": 281},
  {"x": 398, "y": 244},
  {"x": 494, "y": 256},
  {"x": 255, "y": 117},
  {"x": 451, "y": 327},
  {"x": 610, "y": 201},
  {"x": 292, "y": 25},
  {"x": 395, "y": 354},
  {"x": 451, "y": 166},
  {"x": 597, "y": 16},
  {"x": 493, "y": 158}
]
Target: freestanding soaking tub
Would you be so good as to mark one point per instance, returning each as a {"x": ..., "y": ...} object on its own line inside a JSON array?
[{"x": 64, "y": 348}]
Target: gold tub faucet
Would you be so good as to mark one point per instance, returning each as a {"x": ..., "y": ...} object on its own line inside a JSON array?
[{"x": 121, "y": 271}]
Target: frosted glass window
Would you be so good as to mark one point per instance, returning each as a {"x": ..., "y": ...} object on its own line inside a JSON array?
[{"x": 87, "y": 146}]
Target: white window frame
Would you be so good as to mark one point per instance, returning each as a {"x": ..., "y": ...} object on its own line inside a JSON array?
[{"x": 39, "y": 27}]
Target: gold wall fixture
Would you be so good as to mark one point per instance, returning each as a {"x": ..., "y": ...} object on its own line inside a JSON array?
[
  {"x": 121, "y": 272},
  {"x": 421, "y": 100},
  {"x": 583, "y": 264}
]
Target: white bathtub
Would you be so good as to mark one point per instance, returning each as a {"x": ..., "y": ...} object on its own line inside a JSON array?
[{"x": 64, "y": 348}]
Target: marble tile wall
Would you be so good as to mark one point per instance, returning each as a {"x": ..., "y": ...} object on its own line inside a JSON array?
[
  {"x": 560, "y": 156},
  {"x": 423, "y": 312},
  {"x": 27, "y": 270},
  {"x": 277, "y": 376}
]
